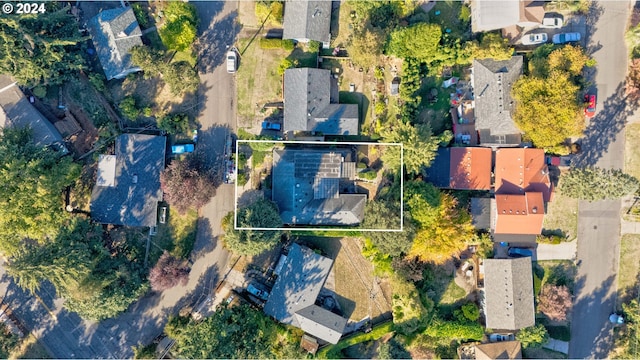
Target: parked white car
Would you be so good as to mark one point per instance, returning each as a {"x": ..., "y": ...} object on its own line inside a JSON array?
[
  {"x": 232, "y": 61},
  {"x": 565, "y": 38},
  {"x": 554, "y": 21},
  {"x": 534, "y": 39}
]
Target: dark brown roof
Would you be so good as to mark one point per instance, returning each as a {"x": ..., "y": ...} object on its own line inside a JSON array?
[{"x": 499, "y": 350}]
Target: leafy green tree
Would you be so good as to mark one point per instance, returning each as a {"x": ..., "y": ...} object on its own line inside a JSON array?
[
  {"x": 145, "y": 352},
  {"x": 272, "y": 9},
  {"x": 443, "y": 229},
  {"x": 181, "y": 77},
  {"x": 386, "y": 215},
  {"x": 410, "y": 313},
  {"x": 595, "y": 184},
  {"x": 8, "y": 341},
  {"x": 393, "y": 349},
  {"x": 95, "y": 282},
  {"x": 148, "y": 59},
  {"x": 174, "y": 124},
  {"x": 364, "y": 46},
  {"x": 628, "y": 336},
  {"x": 548, "y": 111},
  {"x": 533, "y": 337},
  {"x": 179, "y": 30},
  {"x": 238, "y": 332},
  {"x": 40, "y": 48},
  {"x": 420, "y": 41},
  {"x": 493, "y": 46},
  {"x": 33, "y": 178},
  {"x": 286, "y": 64},
  {"x": 419, "y": 146},
  {"x": 261, "y": 214}
]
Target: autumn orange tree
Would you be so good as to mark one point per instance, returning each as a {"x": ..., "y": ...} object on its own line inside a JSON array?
[{"x": 443, "y": 228}]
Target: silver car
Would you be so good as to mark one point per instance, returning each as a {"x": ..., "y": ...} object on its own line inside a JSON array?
[
  {"x": 232, "y": 61},
  {"x": 565, "y": 38},
  {"x": 534, "y": 39}
]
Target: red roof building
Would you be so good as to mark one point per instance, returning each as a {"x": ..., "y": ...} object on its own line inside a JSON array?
[
  {"x": 470, "y": 168},
  {"x": 520, "y": 170},
  {"x": 519, "y": 214}
]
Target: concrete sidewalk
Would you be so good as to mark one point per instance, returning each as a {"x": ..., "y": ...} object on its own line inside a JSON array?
[
  {"x": 629, "y": 227},
  {"x": 557, "y": 345}
]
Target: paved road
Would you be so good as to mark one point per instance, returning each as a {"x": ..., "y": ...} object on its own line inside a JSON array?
[
  {"x": 599, "y": 222},
  {"x": 64, "y": 334}
]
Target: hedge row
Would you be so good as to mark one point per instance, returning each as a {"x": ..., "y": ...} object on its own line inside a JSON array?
[{"x": 276, "y": 44}]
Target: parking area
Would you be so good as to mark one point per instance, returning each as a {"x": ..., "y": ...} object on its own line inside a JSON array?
[{"x": 571, "y": 24}]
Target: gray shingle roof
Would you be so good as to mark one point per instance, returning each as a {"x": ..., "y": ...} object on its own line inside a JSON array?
[
  {"x": 298, "y": 285},
  {"x": 307, "y": 20},
  {"x": 133, "y": 201},
  {"x": 114, "y": 33},
  {"x": 306, "y": 188},
  {"x": 494, "y": 106},
  {"x": 321, "y": 323},
  {"x": 438, "y": 172},
  {"x": 481, "y": 213},
  {"x": 17, "y": 111},
  {"x": 308, "y": 107},
  {"x": 509, "y": 293}
]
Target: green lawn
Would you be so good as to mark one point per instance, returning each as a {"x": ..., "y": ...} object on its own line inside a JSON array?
[
  {"x": 257, "y": 79},
  {"x": 333, "y": 351},
  {"x": 449, "y": 16},
  {"x": 453, "y": 293},
  {"x": 176, "y": 236},
  {"x": 629, "y": 265},
  {"x": 562, "y": 216}
]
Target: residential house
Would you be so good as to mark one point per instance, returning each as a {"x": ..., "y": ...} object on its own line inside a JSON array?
[
  {"x": 509, "y": 295},
  {"x": 293, "y": 298},
  {"x": 127, "y": 189},
  {"x": 499, "y": 350},
  {"x": 309, "y": 187},
  {"x": 489, "y": 15},
  {"x": 311, "y": 104},
  {"x": 520, "y": 170},
  {"x": 519, "y": 214},
  {"x": 114, "y": 32},
  {"x": 307, "y": 20},
  {"x": 17, "y": 111},
  {"x": 461, "y": 168},
  {"x": 494, "y": 106}
]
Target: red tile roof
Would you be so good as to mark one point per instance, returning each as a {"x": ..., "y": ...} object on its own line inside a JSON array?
[
  {"x": 520, "y": 170},
  {"x": 519, "y": 214},
  {"x": 470, "y": 168}
]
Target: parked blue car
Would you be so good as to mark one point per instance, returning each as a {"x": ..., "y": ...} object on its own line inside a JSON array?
[
  {"x": 519, "y": 252},
  {"x": 182, "y": 149},
  {"x": 266, "y": 125}
]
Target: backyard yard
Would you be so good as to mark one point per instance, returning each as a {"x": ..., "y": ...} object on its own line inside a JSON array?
[{"x": 354, "y": 279}]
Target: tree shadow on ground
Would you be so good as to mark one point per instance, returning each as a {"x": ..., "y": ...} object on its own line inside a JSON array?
[
  {"x": 604, "y": 128},
  {"x": 214, "y": 41}
]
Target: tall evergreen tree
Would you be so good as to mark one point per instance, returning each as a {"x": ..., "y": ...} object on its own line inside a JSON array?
[{"x": 595, "y": 184}]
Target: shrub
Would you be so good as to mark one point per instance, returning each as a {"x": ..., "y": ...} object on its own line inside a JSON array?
[
  {"x": 380, "y": 108},
  {"x": 97, "y": 80},
  {"x": 141, "y": 15},
  {"x": 40, "y": 91},
  {"x": 369, "y": 174},
  {"x": 286, "y": 64},
  {"x": 314, "y": 46},
  {"x": 288, "y": 45},
  {"x": 128, "y": 108}
]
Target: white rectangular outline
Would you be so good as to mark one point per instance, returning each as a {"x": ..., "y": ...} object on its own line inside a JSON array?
[{"x": 235, "y": 198}]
